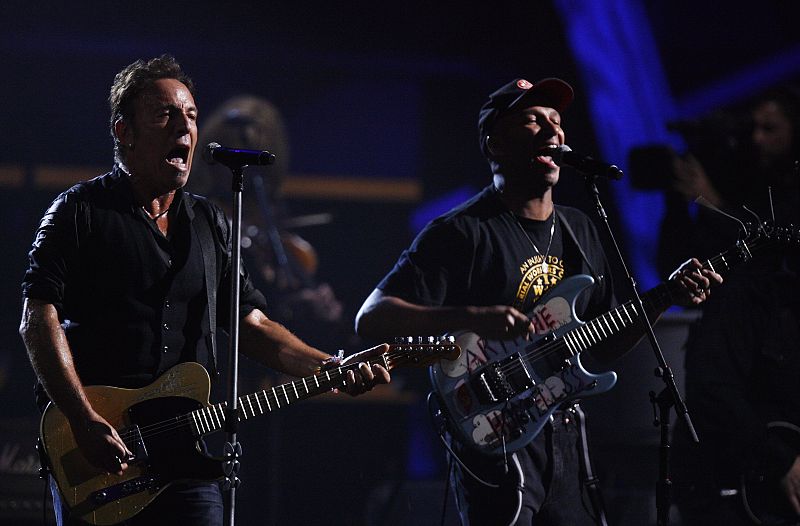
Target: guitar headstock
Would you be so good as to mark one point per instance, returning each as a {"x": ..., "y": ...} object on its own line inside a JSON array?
[
  {"x": 768, "y": 231},
  {"x": 418, "y": 351}
]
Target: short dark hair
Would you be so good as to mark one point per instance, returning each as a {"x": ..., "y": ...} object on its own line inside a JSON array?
[{"x": 135, "y": 78}]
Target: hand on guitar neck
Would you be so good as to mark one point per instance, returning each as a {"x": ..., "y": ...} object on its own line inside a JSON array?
[
  {"x": 692, "y": 283},
  {"x": 689, "y": 285},
  {"x": 370, "y": 374}
]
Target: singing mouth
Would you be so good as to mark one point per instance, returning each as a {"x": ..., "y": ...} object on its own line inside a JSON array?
[
  {"x": 179, "y": 157},
  {"x": 544, "y": 155}
]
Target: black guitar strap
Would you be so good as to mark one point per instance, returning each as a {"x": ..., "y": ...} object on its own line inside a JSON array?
[
  {"x": 592, "y": 482},
  {"x": 568, "y": 228}
]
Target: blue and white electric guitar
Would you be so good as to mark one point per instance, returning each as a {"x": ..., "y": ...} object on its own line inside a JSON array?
[{"x": 498, "y": 394}]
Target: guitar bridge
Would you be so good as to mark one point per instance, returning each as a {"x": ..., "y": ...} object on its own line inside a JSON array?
[{"x": 124, "y": 489}]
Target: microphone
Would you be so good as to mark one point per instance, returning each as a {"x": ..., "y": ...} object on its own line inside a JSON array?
[
  {"x": 235, "y": 158},
  {"x": 564, "y": 156}
]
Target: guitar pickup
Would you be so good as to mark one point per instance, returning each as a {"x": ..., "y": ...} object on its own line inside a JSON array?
[{"x": 502, "y": 380}]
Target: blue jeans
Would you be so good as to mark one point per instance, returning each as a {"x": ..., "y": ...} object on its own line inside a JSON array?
[
  {"x": 183, "y": 504},
  {"x": 552, "y": 476}
]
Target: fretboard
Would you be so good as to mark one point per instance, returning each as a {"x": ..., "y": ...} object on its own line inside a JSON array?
[
  {"x": 212, "y": 418},
  {"x": 655, "y": 301}
]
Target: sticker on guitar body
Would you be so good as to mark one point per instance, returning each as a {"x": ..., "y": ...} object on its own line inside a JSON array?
[{"x": 477, "y": 351}]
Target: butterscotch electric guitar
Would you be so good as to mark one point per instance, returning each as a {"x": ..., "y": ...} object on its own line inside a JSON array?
[{"x": 162, "y": 423}]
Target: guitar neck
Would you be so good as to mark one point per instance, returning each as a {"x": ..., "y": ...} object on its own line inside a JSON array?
[
  {"x": 655, "y": 302},
  {"x": 212, "y": 418}
]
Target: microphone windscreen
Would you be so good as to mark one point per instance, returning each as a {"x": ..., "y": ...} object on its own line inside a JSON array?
[{"x": 208, "y": 153}]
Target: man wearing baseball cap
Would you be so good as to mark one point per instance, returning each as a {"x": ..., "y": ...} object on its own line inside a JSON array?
[{"x": 483, "y": 267}]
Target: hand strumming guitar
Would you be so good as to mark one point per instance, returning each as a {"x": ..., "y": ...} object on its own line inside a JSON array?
[{"x": 100, "y": 443}]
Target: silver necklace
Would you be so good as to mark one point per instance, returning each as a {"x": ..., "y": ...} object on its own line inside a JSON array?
[
  {"x": 157, "y": 216},
  {"x": 545, "y": 267}
]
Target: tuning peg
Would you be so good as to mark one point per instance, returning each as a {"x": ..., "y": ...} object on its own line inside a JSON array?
[{"x": 404, "y": 339}]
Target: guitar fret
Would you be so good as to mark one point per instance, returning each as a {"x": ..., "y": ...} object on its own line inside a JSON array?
[
  {"x": 305, "y": 385},
  {"x": 316, "y": 381},
  {"x": 296, "y": 394},
  {"x": 216, "y": 420},
  {"x": 578, "y": 341},
  {"x": 628, "y": 314},
  {"x": 593, "y": 327},
  {"x": 205, "y": 419},
  {"x": 194, "y": 424},
  {"x": 200, "y": 430},
  {"x": 576, "y": 348},
  {"x": 603, "y": 318},
  {"x": 258, "y": 403},
  {"x": 621, "y": 321},
  {"x": 585, "y": 335},
  {"x": 266, "y": 399},
  {"x": 275, "y": 395},
  {"x": 599, "y": 328},
  {"x": 568, "y": 343},
  {"x": 283, "y": 387},
  {"x": 588, "y": 334},
  {"x": 595, "y": 337},
  {"x": 250, "y": 403},
  {"x": 611, "y": 317},
  {"x": 583, "y": 338}
]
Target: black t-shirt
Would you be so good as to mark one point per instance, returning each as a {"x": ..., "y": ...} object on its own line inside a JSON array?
[{"x": 477, "y": 254}]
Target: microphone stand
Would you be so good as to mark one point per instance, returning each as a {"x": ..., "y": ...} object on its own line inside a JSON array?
[
  {"x": 670, "y": 395},
  {"x": 233, "y": 449}
]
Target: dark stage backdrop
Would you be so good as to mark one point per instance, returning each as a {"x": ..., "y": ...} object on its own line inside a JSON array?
[{"x": 380, "y": 102}]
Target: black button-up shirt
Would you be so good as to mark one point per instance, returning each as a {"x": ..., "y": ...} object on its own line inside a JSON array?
[{"x": 133, "y": 301}]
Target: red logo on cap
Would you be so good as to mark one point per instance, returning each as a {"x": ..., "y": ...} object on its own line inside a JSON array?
[{"x": 524, "y": 84}]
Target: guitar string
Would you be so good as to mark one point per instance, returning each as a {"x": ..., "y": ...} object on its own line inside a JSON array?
[
  {"x": 156, "y": 428},
  {"x": 174, "y": 423},
  {"x": 171, "y": 424},
  {"x": 552, "y": 347}
]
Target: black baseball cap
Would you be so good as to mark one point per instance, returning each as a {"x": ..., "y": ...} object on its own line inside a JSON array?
[{"x": 551, "y": 92}]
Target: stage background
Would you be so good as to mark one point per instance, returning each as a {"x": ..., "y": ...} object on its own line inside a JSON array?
[{"x": 381, "y": 97}]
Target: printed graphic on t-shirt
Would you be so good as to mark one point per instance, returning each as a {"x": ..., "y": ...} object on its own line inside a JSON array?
[{"x": 538, "y": 276}]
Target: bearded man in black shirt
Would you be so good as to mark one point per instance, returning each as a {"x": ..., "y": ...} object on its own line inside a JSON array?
[
  {"x": 130, "y": 275},
  {"x": 485, "y": 264}
]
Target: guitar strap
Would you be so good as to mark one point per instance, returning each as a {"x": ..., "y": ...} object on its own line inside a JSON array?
[
  {"x": 207, "y": 247},
  {"x": 592, "y": 482},
  {"x": 568, "y": 228}
]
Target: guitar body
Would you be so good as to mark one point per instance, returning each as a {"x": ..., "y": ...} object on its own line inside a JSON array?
[
  {"x": 161, "y": 425},
  {"x": 498, "y": 394},
  {"x": 165, "y": 456}
]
